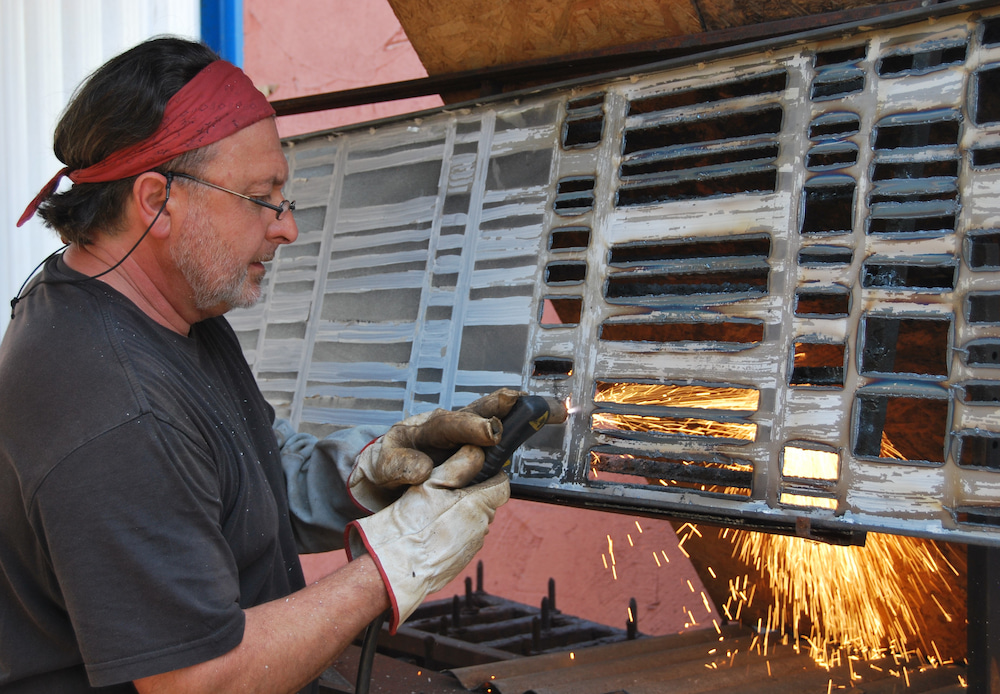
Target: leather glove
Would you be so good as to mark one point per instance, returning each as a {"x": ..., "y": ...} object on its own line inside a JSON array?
[
  {"x": 407, "y": 453},
  {"x": 425, "y": 539}
]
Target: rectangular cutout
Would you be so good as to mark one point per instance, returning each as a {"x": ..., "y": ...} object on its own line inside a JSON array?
[
  {"x": 720, "y": 474},
  {"x": 979, "y": 450},
  {"x": 552, "y": 367},
  {"x": 646, "y": 165},
  {"x": 818, "y": 364},
  {"x": 921, "y": 61},
  {"x": 828, "y": 206},
  {"x": 835, "y": 84},
  {"x": 825, "y": 255},
  {"x": 561, "y": 310},
  {"x": 569, "y": 239},
  {"x": 723, "y": 332},
  {"x": 987, "y": 106},
  {"x": 763, "y": 84},
  {"x": 912, "y": 132},
  {"x": 981, "y": 393},
  {"x": 657, "y": 427},
  {"x": 750, "y": 246},
  {"x": 830, "y": 304},
  {"x": 728, "y": 183},
  {"x": 834, "y": 125},
  {"x": 809, "y": 501},
  {"x": 983, "y": 353},
  {"x": 565, "y": 273},
  {"x": 983, "y": 250},
  {"x": 886, "y": 426},
  {"x": 894, "y": 344},
  {"x": 702, "y": 397},
  {"x": 983, "y": 307},
  {"x": 624, "y": 286},
  {"x": 889, "y": 275},
  {"x": 810, "y": 464}
]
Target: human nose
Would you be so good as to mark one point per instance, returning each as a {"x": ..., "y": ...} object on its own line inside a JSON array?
[{"x": 284, "y": 230}]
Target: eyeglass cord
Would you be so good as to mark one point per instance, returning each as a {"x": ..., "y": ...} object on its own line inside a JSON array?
[{"x": 17, "y": 298}]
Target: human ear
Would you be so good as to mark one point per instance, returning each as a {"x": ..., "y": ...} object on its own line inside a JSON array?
[{"x": 150, "y": 194}]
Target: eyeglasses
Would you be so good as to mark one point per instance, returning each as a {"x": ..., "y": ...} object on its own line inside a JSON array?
[{"x": 279, "y": 209}]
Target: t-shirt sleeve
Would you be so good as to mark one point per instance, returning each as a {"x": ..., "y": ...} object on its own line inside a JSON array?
[{"x": 131, "y": 525}]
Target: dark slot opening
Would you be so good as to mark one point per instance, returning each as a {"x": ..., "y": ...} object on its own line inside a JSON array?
[
  {"x": 764, "y": 84},
  {"x": 723, "y": 474},
  {"x": 574, "y": 185},
  {"x": 829, "y": 158},
  {"x": 717, "y": 158},
  {"x": 749, "y": 182},
  {"x": 583, "y": 132},
  {"x": 903, "y": 225},
  {"x": 987, "y": 109},
  {"x": 982, "y": 393},
  {"x": 582, "y": 102},
  {"x": 886, "y": 426},
  {"x": 911, "y": 169},
  {"x": 729, "y": 332},
  {"x": 832, "y": 304},
  {"x": 914, "y": 195},
  {"x": 828, "y": 89},
  {"x": 924, "y": 60},
  {"x": 628, "y": 285},
  {"x": 565, "y": 273},
  {"x": 825, "y": 255},
  {"x": 985, "y": 515},
  {"x": 818, "y": 364},
  {"x": 991, "y": 31},
  {"x": 906, "y": 345},
  {"x": 574, "y": 196},
  {"x": 569, "y": 238},
  {"x": 835, "y": 124},
  {"x": 984, "y": 308},
  {"x": 984, "y": 353},
  {"x": 925, "y": 134},
  {"x": 985, "y": 156},
  {"x": 711, "y": 128},
  {"x": 979, "y": 450},
  {"x": 829, "y": 209},
  {"x": 739, "y": 246},
  {"x": 840, "y": 56},
  {"x": 552, "y": 367},
  {"x": 903, "y": 276},
  {"x": 564, "y": 310}
]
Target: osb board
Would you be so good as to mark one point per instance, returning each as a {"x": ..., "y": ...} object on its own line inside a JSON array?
[
  {"x": 455, "y": 35},
  {"x": 458, "y": 35}
]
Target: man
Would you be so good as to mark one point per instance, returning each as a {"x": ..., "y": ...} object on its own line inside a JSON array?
[{"x": 147, "y": 541}]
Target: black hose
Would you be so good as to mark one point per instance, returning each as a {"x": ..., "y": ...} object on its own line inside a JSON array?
[{"x": 368, "y": 648}]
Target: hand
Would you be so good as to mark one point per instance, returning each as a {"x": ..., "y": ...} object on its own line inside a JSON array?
[
  {"x": 408, "y": 452},
  {"x": 423, "y": 540}
]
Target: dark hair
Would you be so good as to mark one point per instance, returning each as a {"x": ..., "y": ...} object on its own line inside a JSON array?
[{"x": 120, "y": 104}]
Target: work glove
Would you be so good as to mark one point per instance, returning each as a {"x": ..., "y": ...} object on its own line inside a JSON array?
[
  {"x": 407, "y": 453},
  {"x": 424, "y": 539}
]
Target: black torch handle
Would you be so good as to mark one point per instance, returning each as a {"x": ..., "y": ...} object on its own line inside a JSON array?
[{"x": 527, "y": 416}]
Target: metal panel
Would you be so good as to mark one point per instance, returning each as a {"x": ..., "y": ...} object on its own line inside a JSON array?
[{"x": 765, "y": 279}]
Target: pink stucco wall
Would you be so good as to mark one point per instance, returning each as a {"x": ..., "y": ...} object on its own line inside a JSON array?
[{"x": 301, "y": 47}]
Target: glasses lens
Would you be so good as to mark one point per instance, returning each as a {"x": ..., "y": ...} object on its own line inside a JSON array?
[{"x": 285, "y": 206}]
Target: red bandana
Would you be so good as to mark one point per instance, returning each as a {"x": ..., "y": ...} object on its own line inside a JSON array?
[{"x": 216, "y": 103}]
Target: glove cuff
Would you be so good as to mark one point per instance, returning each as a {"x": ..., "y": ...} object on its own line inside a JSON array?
[{"x": 356, "y": 544}]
